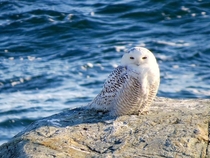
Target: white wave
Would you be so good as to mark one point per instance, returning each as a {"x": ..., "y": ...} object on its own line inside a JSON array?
[
  {"x": 176, "y": 44},
  {"x": 120, "y": 48}
]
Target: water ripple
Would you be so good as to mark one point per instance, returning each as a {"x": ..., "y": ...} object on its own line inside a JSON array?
[{"x": 56, "y": 54}]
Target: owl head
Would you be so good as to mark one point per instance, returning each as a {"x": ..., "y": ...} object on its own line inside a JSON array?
[{"x": 138, "y": 56}]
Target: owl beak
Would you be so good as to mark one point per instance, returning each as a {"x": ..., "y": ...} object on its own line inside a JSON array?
[{"x": 138, "y": 64}]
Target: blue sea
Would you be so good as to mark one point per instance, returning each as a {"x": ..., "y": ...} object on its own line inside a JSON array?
[{"x": 56, "y": 55}]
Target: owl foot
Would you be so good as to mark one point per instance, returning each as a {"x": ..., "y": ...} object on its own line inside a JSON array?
[{"x": 143, "y": 113}]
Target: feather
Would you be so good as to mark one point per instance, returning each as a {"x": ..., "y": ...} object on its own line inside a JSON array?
[{"x": 120, "y": 94}]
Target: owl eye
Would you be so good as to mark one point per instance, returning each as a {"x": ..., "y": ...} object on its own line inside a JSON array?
[
  {"x": 144, "y": 57},
  {"x": 132, "y": 58}
]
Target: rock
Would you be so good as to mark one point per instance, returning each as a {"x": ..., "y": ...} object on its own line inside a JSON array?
[{"x": 172, "y": 128}]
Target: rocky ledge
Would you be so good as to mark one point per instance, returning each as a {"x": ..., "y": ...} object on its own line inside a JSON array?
[{"x": 172, "y": 128}]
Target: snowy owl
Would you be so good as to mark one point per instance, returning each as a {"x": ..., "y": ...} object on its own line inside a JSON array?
[{"x": 132, "y": 86}]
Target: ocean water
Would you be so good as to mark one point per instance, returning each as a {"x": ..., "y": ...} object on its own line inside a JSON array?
[{"x": 55, "y": 55}]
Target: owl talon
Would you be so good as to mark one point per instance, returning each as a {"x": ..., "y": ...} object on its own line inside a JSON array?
[{"x": 143, "y": 113}]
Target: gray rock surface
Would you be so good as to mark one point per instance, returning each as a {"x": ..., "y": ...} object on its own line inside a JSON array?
[{"x": 172, "y": 128}]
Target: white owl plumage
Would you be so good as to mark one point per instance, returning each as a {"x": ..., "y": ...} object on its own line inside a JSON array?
[{"x": 132, "y": 86}]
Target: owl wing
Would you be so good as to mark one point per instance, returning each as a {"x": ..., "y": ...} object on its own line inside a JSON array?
[
  {"x": 111, "y": 87},
  {"x": 121, "y": 93}
]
